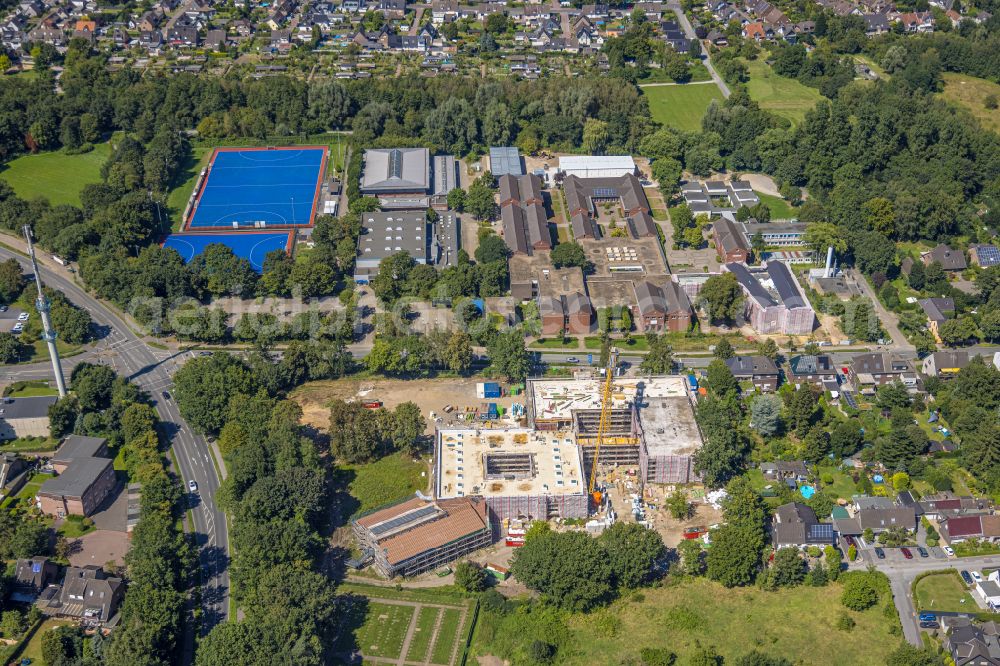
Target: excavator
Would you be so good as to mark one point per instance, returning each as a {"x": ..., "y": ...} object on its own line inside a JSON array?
[{"x": 602, "y": 427}]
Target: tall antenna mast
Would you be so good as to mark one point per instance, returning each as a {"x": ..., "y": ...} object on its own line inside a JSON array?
[{"x": 43, "y": 305}]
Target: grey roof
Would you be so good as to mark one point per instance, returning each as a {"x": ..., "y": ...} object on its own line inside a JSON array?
[
  {"x": 505, "y": 161},
  {"x": 937, "y": 309},
  {"x": 747, "y": 366},
  {"x": 655, "y": 299},
  {"x": 795, "y": 524},
  {"x": 950, "y": 260},
  {"x": 879, "y": 364},
  {"x": 807, "y": 364},
  {"x": 523, "y": 213},
  {"x": 896, "y": 516},
  {"x": 581, "y": 193},
  {"x": 784, "y": 283},
  {"x": 77, "y": 478},
  {"x": 91, "y": 588},
  {"x": 730, "y": 238},
  {"x": 445, "y": 174},
  {"x": 951, "y": 359},
  {"x": 384, "y": 234},
  {"x": 750, "y": 284},
  {"x": 513, "y": 229},
  {"x": 396, "y": 170},
  {"x": 26, "y": 408},
  {"x": 78, "y": 446}
]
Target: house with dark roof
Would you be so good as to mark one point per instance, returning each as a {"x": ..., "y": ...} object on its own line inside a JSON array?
[
  {"x": 813, "y": 370},
  {"x": 774, "y": 302},
  {"x": 522, "y": 213},
  {"x": 31, "y": 576},
  {"x": 572, "y": 313},
  {"x": 87, "y": 593},
  {"x": 794, "y": 525},
  {"x": 944, "y": 363},
  {"x": 730, "y": 241},
  {"x": 943, "y": 505},
  {"x": 758, "y": 370},
  {"x": 84, "y": 482},
  {"x": 77, "y": 446},
  {"x": 11, "y": 467},
  {"x": 938, "y": 311},
  {"x": 779, "y": 470},
  {"x": 660, "y": 307},
  {"x": 950, "y": 260},
  {"x": 869, "y": 371},
  {"x": 25, "y": 417},
  {"x": 956, "y": 529},
  {"x": 971, "y": 644}
]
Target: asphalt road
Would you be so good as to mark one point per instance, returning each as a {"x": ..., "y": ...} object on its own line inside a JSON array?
[{"x": 152, "y": 369}]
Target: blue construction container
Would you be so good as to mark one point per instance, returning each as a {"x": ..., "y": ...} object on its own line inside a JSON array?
[
  {"x": 491, "y": 409},
  {"x": 692, "y": 382},
  {"x": 491, "y": 390}
]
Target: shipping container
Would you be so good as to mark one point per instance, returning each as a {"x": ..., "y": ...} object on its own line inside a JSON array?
[
  {"x": 692, "y": 382},
  {"x": 491, "y": 390}
]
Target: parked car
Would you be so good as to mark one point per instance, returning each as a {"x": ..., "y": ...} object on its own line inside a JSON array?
[
  {"x": 880, "y": 553},
  {"x": 922, "y": 551},
  {"x": 3, "y": 308},
  {"x": 976, "y": 576},
  {"x": 928, "y": 617},
  {"x": 966, "y": 577},
  {"x": 23, "y": 316},
  {"x": 949, "y": 551},
  {"x": 18, "y": 327},
  {"x": 906, "y": 553},
  {"x": 929, "y": 625}
]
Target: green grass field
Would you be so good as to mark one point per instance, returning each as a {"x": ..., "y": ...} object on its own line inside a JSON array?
[
  {"x": 384, "y": 629},
  {"x": 444, "y": 644},
  {"x": 29, "y": 389},
  {"x": 391, "y": 478},
  {"x": 33, "y": 650},
  {"x": 796, "y": 623},
  {"x": 943, "y": 592},
  {"x": 780, "y": 208},
  {"x": 971, "y": 93},
  {"x": 555, "y": 343},
  {"x": 778, "y": 94},
  {"x": 55, "y": 175},
  {"x": 681, "y": 106},
  {"x": 422, "y": 635}
]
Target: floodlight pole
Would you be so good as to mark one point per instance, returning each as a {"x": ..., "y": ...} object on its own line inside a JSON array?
[{"x": 43, "y": 305}]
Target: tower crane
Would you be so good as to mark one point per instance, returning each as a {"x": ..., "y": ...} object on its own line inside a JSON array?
[{"x": 602, "y": 426}]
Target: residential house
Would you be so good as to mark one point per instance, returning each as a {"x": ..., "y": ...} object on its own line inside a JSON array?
[
  {"x": 11, "y": 466},
  {"x": 77, "y": 446},
  {"x": 938, "y": 311},
  {"x": 869, "y": 371},
  {"x": 31, "y": 576},
  {"x": 944, "y": 363},
  {"x": 182, "y": 35},
  {"x": 757, "y": 31},
  {"x": 950, "y": 260},
  {"x": 570, "y": 313},
  {"x": 758, "y": 370},
  {"x": 971, "y": 644},
  {"x": 661, "y": 308},
  {"x": 794, "y": 525},
  {"x": 215, "y": 40},
  {"x": 916, "y": 21},
  {"x": 944, "y": 505},
  {"x": 876, "y": 24},
  {"x": 87, "y": 593},
  {"x": 813, "y": 370},
  {"x": 780, "y": 470},
  {"x": 880, "y": 519},
  {"x": 522, "y": 212},
  {"x": 392, "y": 9},
  {"x": 984, "y": 256},
  {"x": 25, "y": 417},
  {"x": 83, "y": 485},
  {"x": 150, "y": 20},
  {"x": 989, "y": 591},
  {"x": 956, "y": 529}
]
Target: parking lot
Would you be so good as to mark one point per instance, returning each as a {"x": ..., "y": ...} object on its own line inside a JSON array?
[{"x": 12, "y": 320}]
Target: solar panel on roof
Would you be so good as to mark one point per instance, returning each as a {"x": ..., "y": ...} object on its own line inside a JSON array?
[
  {"x": 396, "y": 163},
  {"x": 989, "y": 256},
  {"x": 399, "y": 521},
  {"x": 36, "y": 567},
  {"x": 821, "y": 531},
  {"x": 605, "y": 192}
]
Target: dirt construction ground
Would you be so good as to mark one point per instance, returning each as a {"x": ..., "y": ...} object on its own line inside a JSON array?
[{"x": 431, "y": 395}]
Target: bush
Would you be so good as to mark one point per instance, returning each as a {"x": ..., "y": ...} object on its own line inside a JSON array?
[
  {"x": 845, "y": 622},
  {"x": 827, "y": 478},
  {"x": 852, "y": 552},
  {"x": 470, "y": 576},
  {"x": 542, "y": 652},
  {"x": 859, "y": 592}
]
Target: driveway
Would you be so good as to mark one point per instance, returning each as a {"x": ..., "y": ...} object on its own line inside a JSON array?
[
  {"x": 99, "y": 547},
  {"x": 889, "y": 321}
]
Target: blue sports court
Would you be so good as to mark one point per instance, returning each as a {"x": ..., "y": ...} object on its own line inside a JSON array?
[
  {"x": 250, "y": 245},
  {"x": 259, "y": 188}
]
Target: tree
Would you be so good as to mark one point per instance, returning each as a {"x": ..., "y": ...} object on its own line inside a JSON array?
[
  {"x": 204, "y": 386},
  {"x": 62, "y": 416},
  {"x": 704, "y": 656},
  {"x": 569, "y": 569},
  {"x": 12, "y": 623},
  {"x": 955, "y": 332},
  {"x": 734, "y": 558},
  {"x": 802, "y": 408},
  {"x": 859, "y": 593},
  {"x": 722, "y": 297},
  {"x": 492, "y": 248},
  {"x": 724, "y": 349},
  {"x": 470, "y": 576},
  {"x": 458, "y": 353},
  {"x": 821, "y": 235},
  {"x": 568, "y": 254},
  {"x": 354, "y": 435},
  {"x": 660, "y": 359},
  {"x": 768, "y": 348},
  {"x": 479, "y": 200},
  {"x": 508, "y": 356},
  {"x": 846, "y": 439},
  {"x": 908, "y": 655},
  {"x": 11, "y": 281},
  {"x": 788, "y": 569},
  {"x": 456, "y": 199},
  {"x": 595, "y": 136},
  {"x": 691, "y": 558},
  {"x": 721, "y": 379},
  {"x": 765, "y": 414},
  {"x": 10, "y": 348},
  {"x": 900, "y": 481},
  {"x": 677, "y": 504},
  {"x": 92, "y": 385},
  {"x": 632, "y": 550},
  {"x": 408, "y": 428}
]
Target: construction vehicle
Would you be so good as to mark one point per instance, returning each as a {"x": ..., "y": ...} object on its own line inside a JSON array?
[{"x": 602, "y": 426}]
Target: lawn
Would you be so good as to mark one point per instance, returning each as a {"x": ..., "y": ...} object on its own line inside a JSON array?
[
  {"x": 943, "y": 592},
  {"x": 779, "y": 94},
  {"x": 555, "y": 343},
  {"x": 842, "y": 486},
  {"x": 33, "y": 650},
  {"x": 449, "y": 631},
  {"x": 633, "y": 344},
  {"x": 796, "y": 623},
  {"x": 55, "y": 175},
  {"x": 29, "y": 389},
  {"x": 682, "y": 106},
  {"x": 384, "y": 629},
  {"x": 971, "y": 93},
  {"x": 422, "y": 634},
  {"x": 73, "y": 527},
  {"x": 392, "y": 478},
  {"x": 781, "y": 209}
]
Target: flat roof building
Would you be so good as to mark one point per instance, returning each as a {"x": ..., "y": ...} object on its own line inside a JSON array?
[
  {"x": 396, "y": 171},
  {"x": 383, "y": 234},
  {"x": 505, "y": 161},
  {"x": 597, "y": 166},
  {"x": 25, "y": 417},
  {"x": 79, "y": 490},
  {"x": 420, "y": 534}
]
